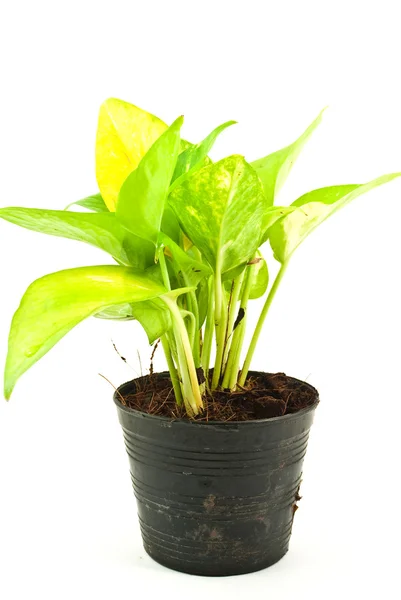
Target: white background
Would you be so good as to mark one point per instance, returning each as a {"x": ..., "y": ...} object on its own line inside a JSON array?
[{"x": 68, "y": 524}]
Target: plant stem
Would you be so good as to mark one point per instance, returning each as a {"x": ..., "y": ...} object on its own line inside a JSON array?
[
  {"x": 173, "y": 348},
  {"x": 192, "y": 396},
  {"x": 209, "y": 328},
  {"x": 197, "y": 345},
  {"x": 231, "y": 371},
  {"x": 221, "y": 325},
  {"x": 189, "y": 401},
  {"x": 232, "y": 367},
  {"x": 173, "y": 371},
  {"x": 259, "y": 326},
  {"x": 163, "y": 267},
  {"x": 191, "y": 327},
  {"x": 238, "y": 342},
  {"x": 194, "y": 309},
  {"x": 220, "y": 328},
  {"x": 232, "y": 313},
  {"x": 218, "y": 296}
]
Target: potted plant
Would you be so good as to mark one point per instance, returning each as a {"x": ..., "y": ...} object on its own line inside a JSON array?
[{"x": 215, "y": 449}]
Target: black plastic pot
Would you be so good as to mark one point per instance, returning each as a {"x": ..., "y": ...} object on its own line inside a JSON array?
[{"x": 215, "y": 498}]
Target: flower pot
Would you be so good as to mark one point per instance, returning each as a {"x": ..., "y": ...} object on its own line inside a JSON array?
[{"x": 215, "y": 498}]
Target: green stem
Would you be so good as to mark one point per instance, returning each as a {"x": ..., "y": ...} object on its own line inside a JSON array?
[
  {"x": 232, "y": 313},
  {"x": 238, "y": 342},
  {"x": 218, "y": 296},
  {"x": 163, "y": 267},
  {"x": 194, "y": 309},
  {"x": 259, "y": 326},
  {"x": 221, "y": 327},
  {"x": 209, "y": 328},
  {"x": 231, "y": 371},
  {"x": 232, "y": 367},
  {"x": 192, "y": 396},
  {"x": 173, "y": 371},
  {"x": 192, "y": 326},
  {"x": 173, "y": 348},
  {"x": 189, "y": 401},
  {"x": 197, "y": 347}
]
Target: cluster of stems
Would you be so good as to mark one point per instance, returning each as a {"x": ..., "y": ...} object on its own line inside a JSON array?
[{"x": 188, "y": 345}]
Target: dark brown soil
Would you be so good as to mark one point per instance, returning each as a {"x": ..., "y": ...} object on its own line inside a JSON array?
[{"x": 266, "y": 395}]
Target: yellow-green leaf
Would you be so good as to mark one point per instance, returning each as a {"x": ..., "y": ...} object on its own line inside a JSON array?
[
  {"x": 98, "y": 229},
  {"x": 124, "y": 135},
  {"x": 54, "y": 304},
  {"x": 95, "y": 203},
  {"x": 142, "y": 197},
  {"x": 153, "y": 315},
  {"x": 221, "y": 209},
  {"x": 274, "y": 169},
  {"x": 312, "y": 209}
]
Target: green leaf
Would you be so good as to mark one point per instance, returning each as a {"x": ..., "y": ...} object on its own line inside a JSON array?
[
  {"x": 312, "y": 209},
  {"x": 153, "y": 315},
  {"x": 143, "y": 195},
  {"x": 274, "y": 169},
  {"x": 195, "y": 156},
  {"x": 202, "y": 295},
  {"x": 170, "y": 225},
  {"x": 221, "y": 210},
  {"x": 124, "y": 135},
  {"x": 173, "y": 294},
  {"x": 117, "y": 312},
  {"x": 98, "y": 229},
  {"x": 94, "y": 203},
  {"x": 261, "y": 278},
  {"x": 232, "y": 274},
  {"x": 184, "y": 144},
  {"x": 260, "y": 281},
  {"x": 191, "y": 270},
  {"x": 54, "y": 304},
  {"x": 272, "y": 215}
]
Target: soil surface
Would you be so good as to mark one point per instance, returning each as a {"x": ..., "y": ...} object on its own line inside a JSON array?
[{"x": 266, "y": 395}]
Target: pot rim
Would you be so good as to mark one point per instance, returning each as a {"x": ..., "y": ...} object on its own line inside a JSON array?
[{"x": 254, "y": 422}]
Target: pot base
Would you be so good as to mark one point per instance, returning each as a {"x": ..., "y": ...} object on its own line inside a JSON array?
[{"x": 216, "y": 571}]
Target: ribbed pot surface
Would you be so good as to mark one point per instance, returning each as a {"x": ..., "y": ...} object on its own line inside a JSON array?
[{"x": 215, "y": 498}]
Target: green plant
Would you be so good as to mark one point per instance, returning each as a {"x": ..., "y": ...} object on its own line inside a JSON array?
[{"x": 186, "y": 235}]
